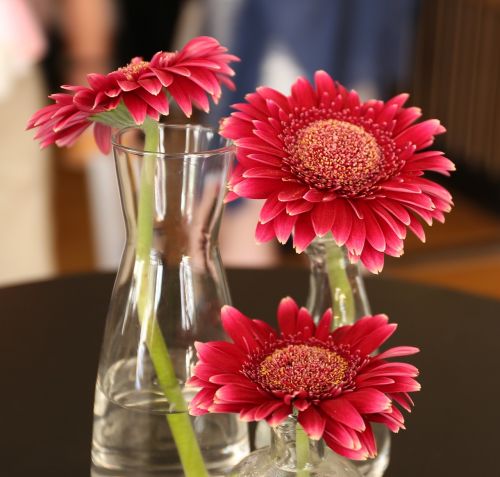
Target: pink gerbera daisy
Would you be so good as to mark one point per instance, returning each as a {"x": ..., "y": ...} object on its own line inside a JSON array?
[
  {"x": 330, "y": 379},
  {"x": 136, "y": 91},
  {"x": 327, "y": 162}
]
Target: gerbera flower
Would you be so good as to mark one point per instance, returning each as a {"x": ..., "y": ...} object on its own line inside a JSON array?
[
  {"x": 331, "y": 379},
  {"x": 138, "y": 90},
  {"x": 326, "y": 162}
]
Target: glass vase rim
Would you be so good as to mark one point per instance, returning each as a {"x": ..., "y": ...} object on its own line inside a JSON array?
[{"x": 230, "y": 147}]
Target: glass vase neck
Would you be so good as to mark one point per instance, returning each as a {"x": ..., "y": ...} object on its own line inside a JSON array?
[
  {"x": 287, "y": 454},
  {"x": 335, "y": 282},
  {"x": 183, "y": 180}
]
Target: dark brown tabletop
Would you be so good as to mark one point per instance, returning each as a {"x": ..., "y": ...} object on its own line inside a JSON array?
[{"x": 50, "y": 339}]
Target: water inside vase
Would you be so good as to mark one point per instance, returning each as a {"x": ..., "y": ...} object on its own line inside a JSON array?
[{"x": 131, "y": 433}]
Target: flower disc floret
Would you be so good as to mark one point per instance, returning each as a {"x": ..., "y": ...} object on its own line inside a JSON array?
[
  {"x": 134, "y": 68},
  {"x": 302, "y": 367},
  {"x": 333, "y": 154}
]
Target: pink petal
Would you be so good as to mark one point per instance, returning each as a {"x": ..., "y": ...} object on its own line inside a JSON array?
[
  {"x": 305, "y": 323},
  {"x": 256, "y": 188},
  {"x": 421, "y": 134},
  {"x": 343, "y": 411},
  {"x": 102, "y": 136},
  {"x": 398, "y": 227},
  {"x": 342, "y": 222},
  {"x": 181, "y": 98},
  {"x": 216, "y": 353},
  {"x": 312, "y": 422},
  {"x": 151, "y": 85},
  {"x": 165, "y": 77},
  {"x": 398, "y": 100},
  {"x": 374, "y": 234},
  {"x": 278, "y": 416},
  {"x": 263, "y": 331},
  {"x": 269, "y": 138},
  {"x": 266, "y": 159},
  {"x": 207, "y": 370},
  {"x": 356, "y": 240},
  {"x": 304, "y": 233},
  {"x": 387, "y": 114},
  {"x": 264, "y": 232},
  {"x": 291, "y": 191},
  {"x": 405, "y": 118},
  {"x": 298, "y": 207},
  {"x": 359, "y": 454},
  {"x": 355, "y": 333},
  {"x": 283, "y": 226},
  {"x": 126, "y": 85},
  {"x": 398, "y": 351},
  {"x": 365, "y": 381},
  {"x": 322, "y": 218},
  {"x": 368, "y": 441},
  {"x": 396, "y": 209},
  {"x": 388, "y": 421},
  {"x": 416, "y": 227},
  {"x": 313, "y": 195},
  {"x": 301, "y": 404},
  {"x": 324, "y": 325},
  {"x": 271, "y": 208},
  {"x": 287, "y": 316},
  {"x": 324, "y": 84},
  {"x": 237, "y": 326},
  {"x": 136, "y": 107},
  {"x": 368, "y": 401},
  {"x": 233, "y": 393},
  {"x": 234, "y": 378},
  {"x": 275, "y": 96},
  {"x": 392, "y": 369},
  {"x": 158, "y": 102},
  {"x": 372, "y": 259},
  {"x": 254, "y": 144},
  {"x": 339, "y": 434},
  {"x": 266, "y": 409},
  {"x": 303, "y": 94},
  {"x": 263, "y": 172}
]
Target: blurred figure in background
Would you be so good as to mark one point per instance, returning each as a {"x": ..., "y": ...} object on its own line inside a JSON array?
[
  {"x": 25, "y": 215},
  {"x": 132, "y": 29},
  {"x": 26, "y": 241}
]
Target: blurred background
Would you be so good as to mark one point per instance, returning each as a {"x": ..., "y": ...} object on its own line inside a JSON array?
[{"x": 59, "y": 209}]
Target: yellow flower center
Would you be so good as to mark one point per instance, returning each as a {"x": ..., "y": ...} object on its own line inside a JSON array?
[
  {"x": 134, "y": 68},
  {"x": 302, "y": 367},
  {"x": 335, "y": 154}
]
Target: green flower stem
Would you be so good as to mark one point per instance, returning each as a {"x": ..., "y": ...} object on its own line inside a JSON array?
[
  {"x": 302, "y": 451},
  {"x": 341, "y": 291},
  {"x": 179, "y": 420}
]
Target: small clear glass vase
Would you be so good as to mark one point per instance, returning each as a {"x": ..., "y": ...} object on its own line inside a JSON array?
[
  {"x": 336, "y": 282},
  {"x": 168, "y": 294},
  {"x": 284, "y": 457}
]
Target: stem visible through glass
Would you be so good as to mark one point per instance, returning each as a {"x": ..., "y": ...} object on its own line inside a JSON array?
[
  {"x": 179, "y": 420},
  {"x": 340, "y": 287},
  {"x": 301, "y": 448}
]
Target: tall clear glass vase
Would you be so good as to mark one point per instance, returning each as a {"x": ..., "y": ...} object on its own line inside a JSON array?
[
  {"x": 337, "y": 283},
  {"x": 168, "y": 294}
]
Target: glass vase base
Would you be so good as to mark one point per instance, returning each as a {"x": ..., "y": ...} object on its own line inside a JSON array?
[
  {"x": 261, "y": 464},
  {"x": 135, "y": 439},
  {"x": 367, "y": 468}
]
